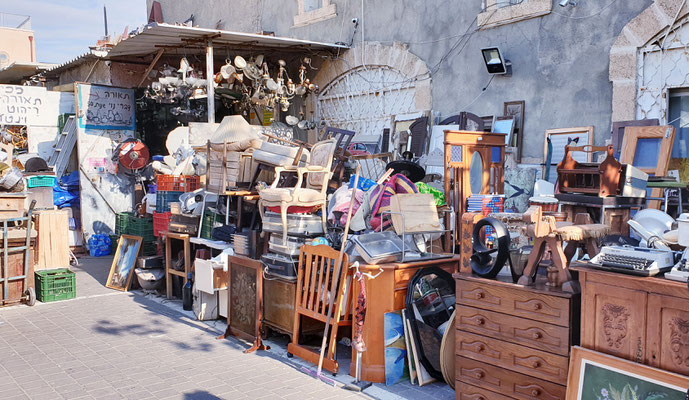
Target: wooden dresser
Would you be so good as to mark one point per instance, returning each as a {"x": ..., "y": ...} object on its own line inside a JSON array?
[
  {"x": 512, "y": 341},
  {"x": 641, "y": 319}
]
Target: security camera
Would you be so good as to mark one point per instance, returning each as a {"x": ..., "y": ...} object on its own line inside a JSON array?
[{"x": 355, "y": 20}]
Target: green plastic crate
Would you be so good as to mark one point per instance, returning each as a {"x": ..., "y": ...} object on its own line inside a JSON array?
[
  {"x": 210, "y": 219},
  {"x": 122, "y": 222},
  {"x": 113, "y": 243},
  {"x": 55, "y": 284}
]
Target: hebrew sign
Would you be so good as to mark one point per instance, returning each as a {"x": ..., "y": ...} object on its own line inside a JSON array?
[
  {"x": 21, "y": 105},
  {"x": 105, "y": 107}
]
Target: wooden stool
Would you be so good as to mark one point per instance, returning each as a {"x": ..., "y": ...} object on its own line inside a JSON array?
[
  {"x": 169, "y": 236},
  {"x": 314, "y": 285},
  {"x": 544, "y": 231}
]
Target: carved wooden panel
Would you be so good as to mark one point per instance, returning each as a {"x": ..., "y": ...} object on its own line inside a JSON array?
[
  {"x": 534, "y": 334},
  {"x": 668, "y": 333},
  {"x": 536, "y": 363},
  {"x": 521, "y": 303},
  {"x": 614, "y": 321},
  {"x": 244, "y": 297},
  {"x": 508, "y": 383}
]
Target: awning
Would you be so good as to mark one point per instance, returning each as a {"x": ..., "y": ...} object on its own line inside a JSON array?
[
  {"x": 16, "y": 72},
  {"x": 154, "y": 37}
]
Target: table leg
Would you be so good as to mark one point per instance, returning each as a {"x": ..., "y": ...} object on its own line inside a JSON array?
[{"x": 168, "y": 277}]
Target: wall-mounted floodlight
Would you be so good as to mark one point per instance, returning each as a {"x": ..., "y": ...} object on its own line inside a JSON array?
[{"x": 495, "y": 63}]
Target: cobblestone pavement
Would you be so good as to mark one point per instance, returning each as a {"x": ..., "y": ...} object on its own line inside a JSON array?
[{"x": 107, "y": 344}]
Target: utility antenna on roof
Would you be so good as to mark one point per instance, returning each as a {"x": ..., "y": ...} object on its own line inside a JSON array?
[{"x": 105, "y": 20}]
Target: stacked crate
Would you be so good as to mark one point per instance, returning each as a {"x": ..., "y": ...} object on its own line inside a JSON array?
[
  {"x": 168, "y": 190},
  {"x": 128, "y": 224}
]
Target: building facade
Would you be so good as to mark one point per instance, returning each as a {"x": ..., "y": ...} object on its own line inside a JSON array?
[{"x": 573, "y": 65}]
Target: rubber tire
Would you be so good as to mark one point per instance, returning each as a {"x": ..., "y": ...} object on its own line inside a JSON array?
[{"x": 30, "y": 296}]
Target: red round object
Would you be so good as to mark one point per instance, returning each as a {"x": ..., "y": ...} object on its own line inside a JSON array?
[{"x": 134, "y": 155}]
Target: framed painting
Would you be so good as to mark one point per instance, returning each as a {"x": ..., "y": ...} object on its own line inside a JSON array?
[
  {"x": 559, "y": 138},
  {"x": 516, "y": 109},
  {"x": 598, "y": 376},
  {"x": 504, "y": 125},
  {"x": 122, "y": 269},
  {"x": 648, "y": 148}
]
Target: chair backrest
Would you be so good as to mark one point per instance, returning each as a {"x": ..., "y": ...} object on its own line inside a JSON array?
[
  {"x": 315, "y": 279},
  {"x": 321, "y": 155},
  {"x": 343, "y": 136}
]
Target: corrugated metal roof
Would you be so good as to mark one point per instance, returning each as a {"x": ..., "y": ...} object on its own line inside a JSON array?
[
  {"x": 90, "y": 55},
  {"x": 155, "y": 36},
  {"x": 15, "y": 72}
]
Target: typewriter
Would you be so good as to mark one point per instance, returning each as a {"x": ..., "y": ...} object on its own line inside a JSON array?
[
  {"x": 680, "y": 272},
  {"x": 634, "y": 260}
]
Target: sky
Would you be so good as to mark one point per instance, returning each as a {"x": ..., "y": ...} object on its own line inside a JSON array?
[{"x": 64, "y": 29}]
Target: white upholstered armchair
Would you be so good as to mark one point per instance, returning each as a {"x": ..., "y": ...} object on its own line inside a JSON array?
[{"x": 315, "y": 176}]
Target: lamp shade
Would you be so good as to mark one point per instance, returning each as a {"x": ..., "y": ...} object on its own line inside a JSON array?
[{"x": 234, "y": 128}]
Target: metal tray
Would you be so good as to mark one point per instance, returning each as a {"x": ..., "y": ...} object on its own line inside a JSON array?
[{"x": 379, "y": 247}]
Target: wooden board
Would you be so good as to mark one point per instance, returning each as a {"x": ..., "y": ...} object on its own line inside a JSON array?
[
  {"x": 53, "y": 239},
  {"x": 418, "y": 213}
]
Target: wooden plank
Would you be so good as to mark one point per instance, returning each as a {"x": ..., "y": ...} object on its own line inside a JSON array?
[
  {"x": 418, "y": 213},
  {"x": 53, "y": 239}
]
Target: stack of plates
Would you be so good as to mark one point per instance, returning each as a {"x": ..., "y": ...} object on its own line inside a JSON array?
[{"x": 241, "y": 244}]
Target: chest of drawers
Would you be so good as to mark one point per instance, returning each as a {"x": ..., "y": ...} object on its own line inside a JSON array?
[{"x": 512, "y": 342}]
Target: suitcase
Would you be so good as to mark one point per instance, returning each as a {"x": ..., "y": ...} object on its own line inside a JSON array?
[
  {"x": 290, "y": 249},
  {"x": 301, "y": 225},
  {"x": 277, "y": 264}
]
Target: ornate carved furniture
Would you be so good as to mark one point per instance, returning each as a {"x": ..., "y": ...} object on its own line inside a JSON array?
[
  {"x": 245, "y": 295},
  {"x": 544, "y": 231},
  {"x": 645, "y": 320},
  {"x": 473, "y": 165},
  {"x": 315, "y": 285},
  {"x": 314, "y": 194},
  {"x": 513, "y": 342},
  {"x": 591, "y": 178},
  {"x": 387, "y": 293}
]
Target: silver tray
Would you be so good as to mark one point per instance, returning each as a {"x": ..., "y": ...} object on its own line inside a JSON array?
[{"x": 378, "y": 247}]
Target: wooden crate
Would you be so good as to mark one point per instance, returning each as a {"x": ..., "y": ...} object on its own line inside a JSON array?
[{"x": 16, "y": 267}]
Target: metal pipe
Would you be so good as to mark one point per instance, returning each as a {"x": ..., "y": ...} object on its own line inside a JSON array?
[{"x": 210, "y": 89}]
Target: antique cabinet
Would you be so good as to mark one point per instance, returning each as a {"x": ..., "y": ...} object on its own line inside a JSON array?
[
  {"x": 513, "y": 341},
  {"x": 474, "y": 164},
  {"x": 387, "y": 293},
  {"x": 641, "y": 319}
]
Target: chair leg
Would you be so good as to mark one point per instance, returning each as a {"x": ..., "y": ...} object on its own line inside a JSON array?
[
  {"x": 324, "y": 217},
  {"x": 283, "y": 216}
]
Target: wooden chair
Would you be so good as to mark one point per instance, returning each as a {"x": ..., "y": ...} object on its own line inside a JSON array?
[
  {"x": 315, "y": 283},
  {"x": 343, "y": 138}
]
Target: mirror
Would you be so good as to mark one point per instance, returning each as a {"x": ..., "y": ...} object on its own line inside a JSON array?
[{"x": 476, "y": 173}]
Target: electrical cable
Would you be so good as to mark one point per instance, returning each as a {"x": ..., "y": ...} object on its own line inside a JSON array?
[{"x": 479, "y": 95}]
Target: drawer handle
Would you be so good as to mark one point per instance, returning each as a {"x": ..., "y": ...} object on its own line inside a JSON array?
[
  {"x": 480, "y": 348},
  {"x": 480, "y": 321},
  {"x": 536, "y": 364},
  {"x": 535, "y": 392},
  {"x": 479, "y": 375},
  {"x": 537, "y": 335},
  {"x": 537, "y": 306},
  {"x": 479, "y": 295}
]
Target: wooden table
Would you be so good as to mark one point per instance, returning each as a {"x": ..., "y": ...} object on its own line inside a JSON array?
[
  {"x": 613, "y": 211},
  {"x": 637, "y": 318},
  {"x": 387, "y": 293},
  {"x": 169, "y": 271}
]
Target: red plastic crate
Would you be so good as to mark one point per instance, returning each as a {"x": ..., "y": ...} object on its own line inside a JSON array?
[
  {"x": 182, "y": 183},
  {"x": 160, "y": 222}
]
